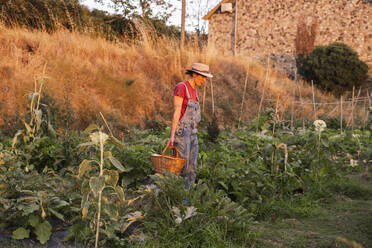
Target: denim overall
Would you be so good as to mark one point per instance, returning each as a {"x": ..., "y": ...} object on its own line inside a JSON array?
[{"x": 186, "y": 139}]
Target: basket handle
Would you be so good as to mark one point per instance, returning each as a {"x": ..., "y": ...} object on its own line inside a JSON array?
[{"x": 170, "y": 147}]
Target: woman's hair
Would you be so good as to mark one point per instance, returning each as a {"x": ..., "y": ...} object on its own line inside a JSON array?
[{"x": 189, "y": 73}]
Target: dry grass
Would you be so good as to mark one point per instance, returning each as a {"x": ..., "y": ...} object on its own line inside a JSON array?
[{"x": 129, "y": 82}]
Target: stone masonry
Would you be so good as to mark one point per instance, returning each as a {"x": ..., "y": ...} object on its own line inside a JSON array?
[{"x": 270, "y": 26}]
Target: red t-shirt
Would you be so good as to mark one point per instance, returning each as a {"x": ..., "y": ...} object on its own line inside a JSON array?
[{"x": 180, "y": 91}]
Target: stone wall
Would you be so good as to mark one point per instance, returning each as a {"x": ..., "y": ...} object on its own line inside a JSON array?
[
  {"x": 221, "y": 31},
  {"x": 270, "y": 26}
]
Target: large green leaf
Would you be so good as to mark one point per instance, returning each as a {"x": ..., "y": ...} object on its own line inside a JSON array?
[
  {"x": 111, "y": 211},
  {"x": 30, "y": 208},
  {"x": 58, "y": 203},
  {"x": 80, "y": 232},
  {"x": 112, "y": 177},
  {"x": 21, "y": 233},
  {"x": 97, "y": 184},
  {"x": 223, "y": 185},
  {"x": 34, "y": 220},
  {"x": 84, "y": 167},
  {"x": 120, "y": 193},
  {"x": 117, "y": 164},
  {"x": 116, "y": 142},
  {"x": 325, "y": 142},
  {"x": 43, "y": 232},
  {"x": 107, "y": 154},
  {"x": 56, "y": 214},
  {"x": 85, "y": 189},
  {"x": 91, "y": 128},
  {"x": 82, "y": 146}
]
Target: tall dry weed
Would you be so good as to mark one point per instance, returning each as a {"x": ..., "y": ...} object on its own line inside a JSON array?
[{"x": 129, "y": 82}]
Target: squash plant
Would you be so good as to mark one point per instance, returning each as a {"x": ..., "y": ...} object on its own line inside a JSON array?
[{"x": 29, "y": 200}]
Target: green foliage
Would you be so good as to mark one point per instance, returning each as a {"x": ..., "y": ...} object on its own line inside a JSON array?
[
  {"x": 244, "y": 176},
  {"x": 45, "y": 15},
  {"x": 130, "y": 8},
  {"x": 136, "y": 155},
  {"x": 335, "y": 68},
  {"x": 50, "y": 15},
  {"x": 21, "y": 233},
  {"x": 352, "y": 189},
  {"x": 38, "y": 146},
  {"x": 31, "y": 200},
  {"x": 43, "y": 231},
  {"x": 264, "y": 122},
  {"x": 334, "y": 122},
  {"x": 211, "y": 220},
  {"x": 104, "y": 202},
  {"x": 213, "y": 129}
]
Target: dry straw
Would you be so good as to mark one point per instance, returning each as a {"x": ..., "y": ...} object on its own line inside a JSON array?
[{"x": 129, "y": 82}]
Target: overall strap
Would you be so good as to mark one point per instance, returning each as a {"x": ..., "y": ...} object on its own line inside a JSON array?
[{"x": 187, "y": 90}]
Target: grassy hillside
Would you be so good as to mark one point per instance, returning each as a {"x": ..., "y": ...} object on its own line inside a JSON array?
[{"x": 132, "y": 83}]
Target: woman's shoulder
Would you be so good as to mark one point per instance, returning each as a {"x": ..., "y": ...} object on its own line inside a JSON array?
[
  {"x": 182, "y": 84},
  {"x": 180, "y": 89}
]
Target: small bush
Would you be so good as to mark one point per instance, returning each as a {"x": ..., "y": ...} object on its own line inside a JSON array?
[
  {"x": 334, "y": 68},
  {"x": 333, "y": 122},
  {"x": 213, "y": 129}
]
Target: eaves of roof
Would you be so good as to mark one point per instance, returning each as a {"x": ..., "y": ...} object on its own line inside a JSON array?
[{"x": 210, "y": 13}]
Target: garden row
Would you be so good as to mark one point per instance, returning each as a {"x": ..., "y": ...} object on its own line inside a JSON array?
[{"x": 103, "y": 190}]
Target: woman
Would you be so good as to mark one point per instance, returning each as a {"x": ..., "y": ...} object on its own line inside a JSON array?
[{"x": 186, "y": 116}]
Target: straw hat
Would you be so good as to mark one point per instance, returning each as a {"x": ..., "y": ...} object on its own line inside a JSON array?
[{"x": 201, "y": 69}]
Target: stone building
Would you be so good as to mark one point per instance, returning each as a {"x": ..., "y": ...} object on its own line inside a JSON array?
[{"x": 260, "y": 27}]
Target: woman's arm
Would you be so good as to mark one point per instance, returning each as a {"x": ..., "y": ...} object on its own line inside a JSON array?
[{"x": 177, "y": 103}]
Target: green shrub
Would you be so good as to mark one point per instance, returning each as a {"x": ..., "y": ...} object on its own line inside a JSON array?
[
  {"x": 351, "y": 188},
  {"x": 213, "y": 129},
  {"x": 335, "y": 68},
  {"x": 333, "y": 122}
]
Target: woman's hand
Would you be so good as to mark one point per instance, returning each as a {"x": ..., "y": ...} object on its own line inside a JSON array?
[
  {"x": 177, "y": 103},
  {"x": 170, "y": 143}
]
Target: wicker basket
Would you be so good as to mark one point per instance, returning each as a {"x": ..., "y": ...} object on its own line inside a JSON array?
[{"x": 169, "y": 163}]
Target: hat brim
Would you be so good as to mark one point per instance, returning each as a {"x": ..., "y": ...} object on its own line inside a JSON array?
[{"x": 208, "y": 75}]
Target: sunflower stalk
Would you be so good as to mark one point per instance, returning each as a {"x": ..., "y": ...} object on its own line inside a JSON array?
[{"x": 100, "y": 192}]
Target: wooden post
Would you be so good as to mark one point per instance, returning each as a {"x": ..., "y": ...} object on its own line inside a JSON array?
[
  {"x": 333, "y": 110},
  {"x": 241, "y": 106},
  {"x": 341, "y": 113},
  {"x": 236, "y": 26},
  {"x": 352, "y": 111},
  {"x": 352, "y": 103},
  {"x": 276, "y": 114},
  {"x": 312, "y": 88},
  {"x": 292, "y": 107},
  {"x": 369, "y": 105},
  {"x": 212, "y": 97},
  {"x": 263, "y": 92},
  {"x": 204, "y": 91},
  {"x": 365, "y": 113},
  {"x": 183, "y": 17},
  {"x": 303, "y": 108}
]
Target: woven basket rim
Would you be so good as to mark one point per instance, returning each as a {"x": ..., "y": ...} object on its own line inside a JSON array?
[{"x": 168, "y": 157}]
